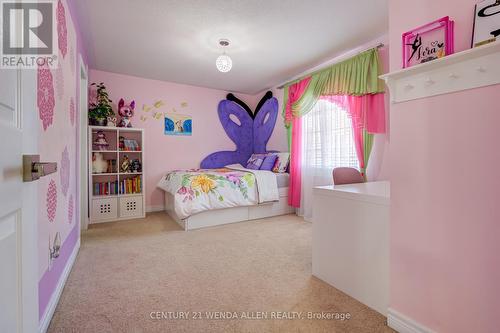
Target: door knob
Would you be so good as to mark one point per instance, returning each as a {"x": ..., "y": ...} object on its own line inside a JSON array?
[{"x": 33, "y": 169}]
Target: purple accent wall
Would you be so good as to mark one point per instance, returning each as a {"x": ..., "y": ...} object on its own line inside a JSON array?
[{"x": 50, "y": 278}]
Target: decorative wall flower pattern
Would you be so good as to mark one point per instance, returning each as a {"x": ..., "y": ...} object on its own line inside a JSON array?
[
  {"x": 45, "y": 96},
  {"x": 51, "y": 201},
  {"x": 72, "y": 111},
  {"x": 62, "y": 31}
]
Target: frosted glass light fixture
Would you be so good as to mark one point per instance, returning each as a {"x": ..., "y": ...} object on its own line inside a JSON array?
[{"x": 224, "y": 62}]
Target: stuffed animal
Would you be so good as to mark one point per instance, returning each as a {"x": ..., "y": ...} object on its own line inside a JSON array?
[
  {"x": 136, "y": 166},
  {"x": 101, "y": 141},
  {"x": 99, "y": 164},
  {"x": 125, "y": 166},
  {"x": 112, "y": 121},
  {"x": 126, "y": 111}
]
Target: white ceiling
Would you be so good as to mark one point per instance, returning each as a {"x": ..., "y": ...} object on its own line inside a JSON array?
[{"x": 271, "y": 40}]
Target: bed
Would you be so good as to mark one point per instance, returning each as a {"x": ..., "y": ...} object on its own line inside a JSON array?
[{"x": 199, "y": 198}]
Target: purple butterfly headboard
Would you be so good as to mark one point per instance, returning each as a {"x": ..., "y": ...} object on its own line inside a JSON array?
[{"x": 250, "y": 135}]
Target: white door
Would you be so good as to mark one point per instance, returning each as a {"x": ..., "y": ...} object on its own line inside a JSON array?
[{"x": 18, "y": 233}]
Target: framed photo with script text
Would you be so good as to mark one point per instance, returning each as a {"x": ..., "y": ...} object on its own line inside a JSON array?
[
  {"x": 486, "y": 23},
  {"x": 428, "y": 42}
]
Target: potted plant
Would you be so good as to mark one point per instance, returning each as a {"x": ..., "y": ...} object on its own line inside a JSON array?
[{"x": 100, "y": 108}]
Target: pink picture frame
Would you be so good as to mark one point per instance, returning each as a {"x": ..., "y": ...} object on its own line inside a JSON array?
[{"x": 431, "y": 41}]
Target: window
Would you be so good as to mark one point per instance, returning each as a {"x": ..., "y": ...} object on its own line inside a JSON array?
[{"x": 328, "y": 138}]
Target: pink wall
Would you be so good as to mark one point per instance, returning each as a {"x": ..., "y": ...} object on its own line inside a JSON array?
[
  {"x": 444, "y": 209},
  {"x": 378, "y": 164},
  {"x": 164, "y": 152}
]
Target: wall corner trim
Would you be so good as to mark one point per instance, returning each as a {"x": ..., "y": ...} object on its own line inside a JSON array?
[
  {"x": 54, "y": 300},
  {"x": 403, "y": 324}
]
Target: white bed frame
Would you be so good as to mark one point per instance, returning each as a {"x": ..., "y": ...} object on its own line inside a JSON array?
[{"x": 215, "y": 217}]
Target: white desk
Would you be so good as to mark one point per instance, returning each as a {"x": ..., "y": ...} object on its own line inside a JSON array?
[{"x": 351, "y": 240}]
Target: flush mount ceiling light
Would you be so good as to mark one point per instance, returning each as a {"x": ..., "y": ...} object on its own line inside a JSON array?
[{"x": 224, "y": 62}]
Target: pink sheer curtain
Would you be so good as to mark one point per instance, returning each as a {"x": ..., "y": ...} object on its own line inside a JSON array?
[
  {"x": 367, "y": 112},
  {"x": 295, "y": 91}
]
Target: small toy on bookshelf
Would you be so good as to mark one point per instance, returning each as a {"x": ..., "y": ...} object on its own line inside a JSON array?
[
  {"x": 135, "y": 166},
  {"x": 99, "y": 164},
  {"x": 125, "y": 166},
  {"x": 100, "y": 142}
]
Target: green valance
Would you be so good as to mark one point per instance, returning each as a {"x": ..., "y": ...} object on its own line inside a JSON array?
[{"x": 356, "y": 76}]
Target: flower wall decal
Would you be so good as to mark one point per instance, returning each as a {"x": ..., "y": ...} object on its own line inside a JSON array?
[
  {"x": 51, "y": 201},
  {"x": 62, "y": 31},
  {"x": 64, "y": 172},
  {"x": 72, "y": 111},
  {"x": 45, "y": 96}
]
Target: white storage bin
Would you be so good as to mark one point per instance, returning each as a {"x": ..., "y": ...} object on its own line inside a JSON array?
[
  {"x": 104, "y": 209},
  {"x": 131, "y": 206}
]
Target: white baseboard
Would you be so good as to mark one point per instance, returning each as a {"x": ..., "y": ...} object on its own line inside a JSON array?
[
  {"x": 403, "y": 324},
  {"x": 157, "y": 208},
  {"x": 54, "y": 300}
]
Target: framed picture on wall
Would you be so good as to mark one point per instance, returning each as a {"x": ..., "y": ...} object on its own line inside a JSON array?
[
  {"x": 486, "y": 23},
  {"x": 178, "y": 124},
  {"x": 428, "y": 42}
]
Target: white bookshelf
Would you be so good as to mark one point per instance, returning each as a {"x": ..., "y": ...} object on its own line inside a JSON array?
[{"x": 111, "y": 202}]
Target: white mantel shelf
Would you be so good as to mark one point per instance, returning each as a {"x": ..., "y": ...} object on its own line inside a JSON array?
[{"x": 469, "y": 69}]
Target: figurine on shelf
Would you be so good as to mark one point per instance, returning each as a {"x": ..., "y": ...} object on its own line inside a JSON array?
[
  {"x": 126, "y": 111},
  {"x": 99, "y": 164},
  {"x": 125, "y": 166},
  {"x": 112, "y": 121},
  {"x": 136, "y": 166},
  {"x": 100, "y": 141},
  {"x": 121, "y": 143}
]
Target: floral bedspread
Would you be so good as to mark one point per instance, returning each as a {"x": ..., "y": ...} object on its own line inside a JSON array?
[{"x": 198, "y": 190}]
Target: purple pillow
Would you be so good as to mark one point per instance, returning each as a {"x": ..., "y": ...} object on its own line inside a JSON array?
[
  {"x": 255, "y": 161},
  {"x": 268, "y": 162}
]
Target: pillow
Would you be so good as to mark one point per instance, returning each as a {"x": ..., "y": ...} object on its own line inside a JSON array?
[
  {"x": 268, "y": 163},
  {"x": 255, "y": 161},
  {"x": 281, "y": 164}
]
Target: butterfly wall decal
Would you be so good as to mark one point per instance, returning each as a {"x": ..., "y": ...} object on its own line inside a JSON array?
[{"x": 250, "y": 133}]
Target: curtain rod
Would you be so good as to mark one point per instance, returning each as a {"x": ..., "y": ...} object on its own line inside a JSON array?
[{"x": 301, "y": 76}]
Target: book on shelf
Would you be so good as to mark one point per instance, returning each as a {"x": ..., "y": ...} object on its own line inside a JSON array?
[
  {"x": 105, "y": 188},
  {"x": 131, "y": 185}
]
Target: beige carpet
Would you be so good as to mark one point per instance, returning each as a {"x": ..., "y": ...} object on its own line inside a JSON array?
[{"x": 126, "y": 270}]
